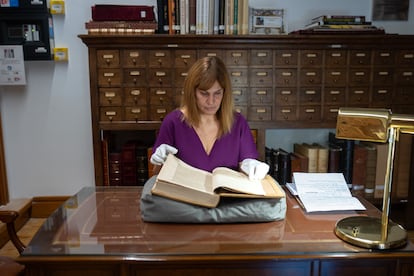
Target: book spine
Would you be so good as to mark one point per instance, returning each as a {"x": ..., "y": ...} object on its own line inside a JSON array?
[
  {"x": 359, "y": 169},
  {"x": 222, "y": 13},
  {"x": 192, "y": 15}
]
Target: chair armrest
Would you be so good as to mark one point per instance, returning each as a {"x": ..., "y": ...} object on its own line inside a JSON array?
[{"x": 9, "y": 217}]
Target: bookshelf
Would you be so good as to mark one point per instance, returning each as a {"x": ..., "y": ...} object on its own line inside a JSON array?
[{"x": 279, "y": 81}]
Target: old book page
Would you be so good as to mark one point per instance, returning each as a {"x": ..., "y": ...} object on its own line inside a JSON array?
[{"x": 180, "y": 181}]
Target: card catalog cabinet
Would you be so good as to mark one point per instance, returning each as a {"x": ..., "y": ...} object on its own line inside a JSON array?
[{"x": 291, "y": 81}]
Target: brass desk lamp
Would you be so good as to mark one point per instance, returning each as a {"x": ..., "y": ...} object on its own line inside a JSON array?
[{"x": 375, "y": 125}]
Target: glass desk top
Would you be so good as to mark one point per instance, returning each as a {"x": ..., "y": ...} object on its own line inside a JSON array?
[{"x": 106, "y": 221}]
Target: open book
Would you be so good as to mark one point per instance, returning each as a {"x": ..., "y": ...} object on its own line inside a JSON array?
[{"x": 180, "y": 181}]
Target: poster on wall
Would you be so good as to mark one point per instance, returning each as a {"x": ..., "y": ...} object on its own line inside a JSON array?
[
  {"x": 390, "y": 10},
  {"x": 12, "y": 65}
]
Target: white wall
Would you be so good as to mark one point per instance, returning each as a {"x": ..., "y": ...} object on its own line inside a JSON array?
[{"x": 47, "y": 125}]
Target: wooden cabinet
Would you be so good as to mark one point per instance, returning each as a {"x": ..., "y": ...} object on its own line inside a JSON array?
[{"x": 290, "y": 81}]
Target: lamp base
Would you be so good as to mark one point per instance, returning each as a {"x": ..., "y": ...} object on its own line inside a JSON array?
[{"x": 366, "y": 232}]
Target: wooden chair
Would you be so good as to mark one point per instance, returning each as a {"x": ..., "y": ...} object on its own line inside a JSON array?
[{"x": 8, "y": 266}]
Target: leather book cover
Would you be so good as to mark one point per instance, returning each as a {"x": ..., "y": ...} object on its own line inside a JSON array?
[
  {"x": 298, "y": 162},
  {"x": 310, "y": 152},
  {"x": 371, "y": 167},
  {"x": 402, "y": 162},
  {"x": 346, "y": 157},
  {"x": 323, "y": 157},
  {"x": 359, "y": 170},
  {"x": 382, "y": 153},
  {"x": 285, "y": 172},
  {"x": 334, "y": 158},
  {"x": 122, "y": 12}
]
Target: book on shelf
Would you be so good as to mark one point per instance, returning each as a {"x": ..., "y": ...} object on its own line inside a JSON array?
[
  {"x": 121, "y": 26},
  {"x": 381, "y": 168},
  {"x": 321, "y": 192},
  {"x": 402, "y": 163},
  {"x": 359, "y": 169},
  {"x": 298, "y": 162},
  {"x": 310, "y": 152},
  {"x": 179, "y": 181},
  {"x": 371, "y": 167},
  {"x": 323, "y": 156},
  {"x": 346, "y": 155}
]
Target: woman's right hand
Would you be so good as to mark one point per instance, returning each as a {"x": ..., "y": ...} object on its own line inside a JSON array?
[{"x": 161, "y": 153}]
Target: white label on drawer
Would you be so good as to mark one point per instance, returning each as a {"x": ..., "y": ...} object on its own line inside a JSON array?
[
  {"x": 134, "y": 54},
  {"x": 336, "y": 55},
  {"x": 236, "y": 54},
  {"x": 135, "y": 73},
  {"x": 286, "y": 74},
  {"x": 286, "y": 111},
  {"x": 237, "y": 92},
  {"x": 311, "y": 55},
  {"x": 286, "y": 92},
  {"x": 109, "y": 94},
  {"x": 160, "y": 92},
  {"x": 310, "y": 73},
  {"x": 383, "y": 73},
  {"x": 385, "y": 54},
  {"x": 359, "y": 73},
  {"x": 108, "y": 56},
  {"x": 262, "y": 54},
  {"x": 161, "y": 110},
  {"x": 334, "y": 92},
  {"x": 286, "y": 55},
  {"x": 382, "y": 91},
  {"x": 408, "y": 56},
  {"x": 185, "y": 74},
  {"x": 110, "y": 113},
  {"x": 261, "y": 110},
  {"x": 109, "y": 74},
  {"x": 185, "y": 56},
  {"x": 135, "y": 92},
  {"x": 310, "y": 110},
  {"x": 261, "y": 74},
  {"x": 407, "y": 74},
  {"x": 160, "y": 54},
  {"x": 136, "y": 110},
  {"x": 336, "y": 46},
  {"x": 359, "y": 92},
  {"x": 211, "y": 54},
  {"x": 160, "y": 74},
  {"x": 335, "y": 73},
  {"x": 261, "y": 92},
  {"x": 360, "y": 54},
  {"x": 236, "y": 74},
  {"x": 310, "y": 92},
  {"x": 334, "y": 110}
]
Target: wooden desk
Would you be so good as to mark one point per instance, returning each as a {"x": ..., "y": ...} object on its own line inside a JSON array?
[{"x": 99, "y": 231}]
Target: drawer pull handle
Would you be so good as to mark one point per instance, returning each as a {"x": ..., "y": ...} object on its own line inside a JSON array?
[
  {"x": 110, "y": 94},
  {"x": 135, "y": 92},
  {"x": 160, "y": 92}
]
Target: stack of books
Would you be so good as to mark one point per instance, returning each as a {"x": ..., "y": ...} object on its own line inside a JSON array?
[
  {"x": 114, "y": 19},
  {"x": 341, "y": 23}
]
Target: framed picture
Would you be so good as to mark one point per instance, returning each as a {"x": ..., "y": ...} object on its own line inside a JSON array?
[{"x": 267, "y": 21}]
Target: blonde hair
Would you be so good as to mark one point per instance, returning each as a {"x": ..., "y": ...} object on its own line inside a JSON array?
[{"x": 202, "y": 75}]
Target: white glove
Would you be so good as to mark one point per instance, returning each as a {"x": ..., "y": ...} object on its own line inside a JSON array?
[
  {"x": 255, "y": 169},
  {"x": 160, "y": 154}
]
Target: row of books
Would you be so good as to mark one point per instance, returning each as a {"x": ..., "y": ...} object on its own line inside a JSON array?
[
  {"x": 114, "y": 19},
  {"x": 129, "y": 166},
  {"x": 203, "y": 16},
  {"x": 341, "y": 23},
  {"x": 363, "y": 164}
]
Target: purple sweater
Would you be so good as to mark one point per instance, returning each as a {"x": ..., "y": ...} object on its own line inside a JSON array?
[{"x": 227, "y": 151}]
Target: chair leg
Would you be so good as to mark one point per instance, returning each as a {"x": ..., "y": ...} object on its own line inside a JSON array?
[{"x": 9, "y": 217}]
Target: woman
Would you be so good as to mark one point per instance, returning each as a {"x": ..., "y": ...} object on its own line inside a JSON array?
[{"x": 206, "y": 132}]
